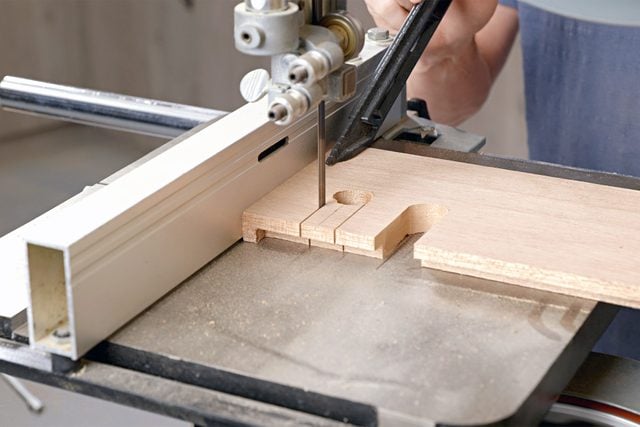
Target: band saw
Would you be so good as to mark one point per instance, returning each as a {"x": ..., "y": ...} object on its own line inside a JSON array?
[{"x": 157, "y": 304}]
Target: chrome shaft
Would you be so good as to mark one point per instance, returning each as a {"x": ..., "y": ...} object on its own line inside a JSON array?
[{"x": 103, "y": 109}]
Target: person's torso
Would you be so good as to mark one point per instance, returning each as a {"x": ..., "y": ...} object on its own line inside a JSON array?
[{"x": 582, "y": 82}]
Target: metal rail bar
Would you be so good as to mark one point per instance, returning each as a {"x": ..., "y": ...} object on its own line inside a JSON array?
[
  {"x": 156, "y": 225},
  {"x": 102, "y": 109}
]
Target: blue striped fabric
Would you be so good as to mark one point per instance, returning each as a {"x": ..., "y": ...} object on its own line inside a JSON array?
[
  {"x": 510, "y": 3},
  {"x": 582, "y": 86}
]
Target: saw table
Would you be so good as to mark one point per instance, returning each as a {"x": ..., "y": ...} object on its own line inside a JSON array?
[{"x": 279, "y": 333}]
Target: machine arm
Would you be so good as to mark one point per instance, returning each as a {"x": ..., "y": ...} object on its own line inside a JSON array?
[{"x": 389, "y": 79}]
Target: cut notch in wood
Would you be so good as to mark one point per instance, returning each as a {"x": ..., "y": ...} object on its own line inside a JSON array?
[
  {"x": 418, "y": 218},
  {"x": 323, "y": 227}
]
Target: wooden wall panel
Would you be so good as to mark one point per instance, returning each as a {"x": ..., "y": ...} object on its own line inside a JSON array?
[
  {"x": 40, "y": 39},
  {"x": 167, "y": 49}
]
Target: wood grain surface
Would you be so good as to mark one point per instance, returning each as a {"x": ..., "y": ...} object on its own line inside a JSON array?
[{"x": 546, "y": 233}]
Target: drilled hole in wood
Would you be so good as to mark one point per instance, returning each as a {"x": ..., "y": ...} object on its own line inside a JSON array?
[{"x": 353, "y": 197}]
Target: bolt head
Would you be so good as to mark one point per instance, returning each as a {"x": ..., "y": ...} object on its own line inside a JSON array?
[
  {"x": 62, "y": 333},
  {"x": 378, "y": 34}
]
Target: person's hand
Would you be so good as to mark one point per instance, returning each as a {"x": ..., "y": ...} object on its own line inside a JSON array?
[
  {"x": 458, "y": 28},
  {"x": 455, "y": 73},
  {"x": 390, "y": 14}
]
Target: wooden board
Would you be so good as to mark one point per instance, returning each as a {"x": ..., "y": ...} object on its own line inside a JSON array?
[{"x": 546, "y": 233}]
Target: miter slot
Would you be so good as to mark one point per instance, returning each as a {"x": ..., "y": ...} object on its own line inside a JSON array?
[{"x": 49, "y": 313}]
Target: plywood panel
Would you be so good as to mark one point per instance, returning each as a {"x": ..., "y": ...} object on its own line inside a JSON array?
[{"x": 547, "y": 233}]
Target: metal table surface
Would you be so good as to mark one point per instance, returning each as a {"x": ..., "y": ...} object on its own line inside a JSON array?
[
  {"x": 349, "y": 337},
  {"x": 314, "y": 336}
]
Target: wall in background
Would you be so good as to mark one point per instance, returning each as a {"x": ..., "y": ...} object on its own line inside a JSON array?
[
  {"x": 502, "y": 118},
  {"x": 41, "y": 40},
  {"x": 174, "y": 50},
  {"x": 181, "y": 51}
]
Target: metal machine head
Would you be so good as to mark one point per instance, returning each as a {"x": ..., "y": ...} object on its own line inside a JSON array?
[{"x": 308, "y": 42}]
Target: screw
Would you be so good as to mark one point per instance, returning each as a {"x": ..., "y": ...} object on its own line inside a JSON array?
[
  {"x": 277, "y": 112},
  {"x": 62, "y": 333},
  {"x": 378, "y": 34},
  {"x": 298, "y": 75}
]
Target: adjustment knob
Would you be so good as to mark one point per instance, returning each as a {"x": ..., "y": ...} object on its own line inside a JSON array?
[{"x": 255, "y": 84}]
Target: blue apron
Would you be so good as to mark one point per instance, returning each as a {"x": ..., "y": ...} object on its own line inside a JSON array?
[{"x": 582, "y": 87}]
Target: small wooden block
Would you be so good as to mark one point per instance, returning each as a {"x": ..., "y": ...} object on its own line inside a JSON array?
[
  {"x": 546, "y": 233},
  {"x": 322, "y": 225}
]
